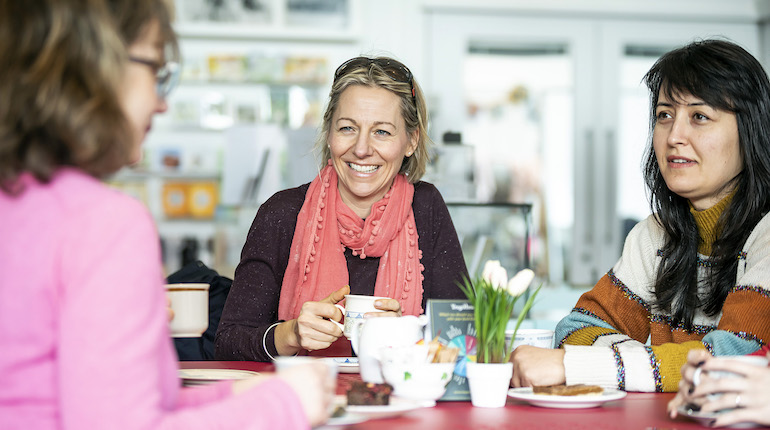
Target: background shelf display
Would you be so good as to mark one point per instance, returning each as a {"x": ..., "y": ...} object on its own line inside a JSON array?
[{"x": 255, "y": 77}]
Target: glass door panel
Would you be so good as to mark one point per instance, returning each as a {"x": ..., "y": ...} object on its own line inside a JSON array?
[{"x": 508, "y": 85}]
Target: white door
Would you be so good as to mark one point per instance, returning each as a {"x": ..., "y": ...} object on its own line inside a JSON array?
[{"x": 555, "y": 113}]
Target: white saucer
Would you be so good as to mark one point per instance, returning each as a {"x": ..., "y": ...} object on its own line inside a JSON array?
[
  {"x": 704, "y": 418},
  {"x": 346, "y": 364},
  {"x": 565, "y": 402},
  {"x": 356, "y": 413},
  {"x": 209, "y": 376}
]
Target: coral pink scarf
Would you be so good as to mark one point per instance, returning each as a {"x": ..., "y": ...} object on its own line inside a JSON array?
[{"x": 326, "y": 225}]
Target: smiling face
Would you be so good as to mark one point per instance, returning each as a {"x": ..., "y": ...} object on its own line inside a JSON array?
[
  {"x": 697, "y": 148},
  {"x": 138, "y": 95},
  {"x": 368, "y": 142}
]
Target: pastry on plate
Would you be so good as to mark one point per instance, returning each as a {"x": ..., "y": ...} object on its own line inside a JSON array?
[{"x": 569, "y": 390}]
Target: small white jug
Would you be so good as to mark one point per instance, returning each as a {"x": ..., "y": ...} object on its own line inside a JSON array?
[{"x": 370, "y": 335}]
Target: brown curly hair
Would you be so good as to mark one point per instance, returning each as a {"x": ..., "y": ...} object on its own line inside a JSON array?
[{"x": 63, "y": 62}]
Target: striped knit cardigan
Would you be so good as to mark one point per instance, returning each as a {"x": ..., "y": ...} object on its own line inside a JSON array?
[{"x": 616, "y": 337}]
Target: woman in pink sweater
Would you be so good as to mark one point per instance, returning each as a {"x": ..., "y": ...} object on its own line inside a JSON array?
[{"x": 85, "y": 341}]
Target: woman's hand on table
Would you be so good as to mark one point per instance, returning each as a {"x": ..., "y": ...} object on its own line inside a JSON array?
[
  {"x": 315, "y": 328},
  {"x": 751, "y": 393},
  {"x": 537, "y": 366}
]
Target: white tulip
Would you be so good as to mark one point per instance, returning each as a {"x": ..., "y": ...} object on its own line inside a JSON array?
[
  {"x": 520, "y": 282},
  {"x": 495, "y": 274}
]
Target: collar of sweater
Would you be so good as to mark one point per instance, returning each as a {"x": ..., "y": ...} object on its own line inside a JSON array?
[{"x": 707, "y": 220}]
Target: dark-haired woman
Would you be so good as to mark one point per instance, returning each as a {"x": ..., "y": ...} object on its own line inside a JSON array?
[{"x": 696, "y": 273}]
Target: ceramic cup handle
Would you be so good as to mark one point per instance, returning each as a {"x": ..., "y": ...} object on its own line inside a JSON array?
[{"x": 342, "y": 309}]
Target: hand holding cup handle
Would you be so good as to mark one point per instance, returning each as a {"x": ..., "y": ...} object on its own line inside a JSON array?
[{"x": 342, "y": 309}]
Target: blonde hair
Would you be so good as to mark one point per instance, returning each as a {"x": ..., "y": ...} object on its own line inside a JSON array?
[{"x": 413, "y": 111}]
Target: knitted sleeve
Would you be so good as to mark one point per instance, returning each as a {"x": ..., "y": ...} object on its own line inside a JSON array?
[
  {"x": 744, "y": 326},
  {"x": 605, "y": 336}
]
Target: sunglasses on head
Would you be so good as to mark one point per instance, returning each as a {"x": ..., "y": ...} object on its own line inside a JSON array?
[{"x": 394, "y": 69}]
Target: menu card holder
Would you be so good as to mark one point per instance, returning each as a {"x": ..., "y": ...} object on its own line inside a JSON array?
[{"x": 452, "y": 321}]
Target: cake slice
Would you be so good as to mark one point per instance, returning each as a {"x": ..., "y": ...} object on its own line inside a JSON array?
[
  {"x": 369, "y": 394},
  {"x": 569, "y": 390}
]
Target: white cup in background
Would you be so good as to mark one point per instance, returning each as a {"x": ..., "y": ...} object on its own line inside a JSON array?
[
  {"x": 541, "y": 338},
  {"x": 286, "y": 362},
  {"x": 355, "y": 308},
  {"x": 755, "y": 360},
  {"x": 190, "y": 303}
]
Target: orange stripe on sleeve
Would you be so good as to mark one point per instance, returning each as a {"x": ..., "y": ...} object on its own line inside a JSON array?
[
  {"x": 747, "y": 310},
  {"x": 612, "y": 302}
]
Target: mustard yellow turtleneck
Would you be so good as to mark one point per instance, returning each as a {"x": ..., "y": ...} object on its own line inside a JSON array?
[{"x": 706, "y": 220}]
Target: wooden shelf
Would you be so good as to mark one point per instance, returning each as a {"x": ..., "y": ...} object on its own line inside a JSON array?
[{"x": 242, "y": 31}]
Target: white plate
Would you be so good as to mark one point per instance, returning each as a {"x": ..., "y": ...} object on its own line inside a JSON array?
[
  {"x": 209, "y": 376},
  {"x": 356, "y": 413},
  {"x": 346, "y": 364},
  {"x": 346, "y": 419},
  {"x": 565, "y": 402},
  {"x": 704, "y": 418}
]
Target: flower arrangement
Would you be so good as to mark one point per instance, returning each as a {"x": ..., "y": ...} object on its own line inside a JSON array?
[{"x": 493, "y": 297}]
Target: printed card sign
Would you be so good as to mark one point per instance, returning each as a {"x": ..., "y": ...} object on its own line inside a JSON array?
[{"x": 452, "y": 322}]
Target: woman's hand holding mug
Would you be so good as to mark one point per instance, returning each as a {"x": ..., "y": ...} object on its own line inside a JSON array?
[
  {"x": 317, "y": 325},
  {"x": 735, "y": 385}
]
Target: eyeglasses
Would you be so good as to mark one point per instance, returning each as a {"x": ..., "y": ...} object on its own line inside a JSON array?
[
  {"x": 395, "y": 70},
  {"x": 166, "y": 75}
]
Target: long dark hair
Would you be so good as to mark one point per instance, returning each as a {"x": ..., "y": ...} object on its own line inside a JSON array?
[{"x": 726, "y": 77}]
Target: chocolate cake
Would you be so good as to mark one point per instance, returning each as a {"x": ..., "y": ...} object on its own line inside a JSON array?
[{"x": 367, "y": 393}]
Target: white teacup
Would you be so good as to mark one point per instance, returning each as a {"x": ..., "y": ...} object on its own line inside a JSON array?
[
  {"x": 355, "y": 308},
  {"x": 755, "y": 360},
  {"x": 190, "y": 303},
  {"x": 541, "y": 338},
  {"x": 285, "y": 362}
]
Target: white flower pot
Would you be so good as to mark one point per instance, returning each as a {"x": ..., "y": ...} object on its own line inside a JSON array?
[{"x": 488, "y": 383}]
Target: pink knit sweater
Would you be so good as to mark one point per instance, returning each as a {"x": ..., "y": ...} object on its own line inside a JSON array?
[{"x": 84, "y": 341}]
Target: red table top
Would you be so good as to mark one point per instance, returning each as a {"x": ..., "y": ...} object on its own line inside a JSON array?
[{"x": 635, "y": 411}]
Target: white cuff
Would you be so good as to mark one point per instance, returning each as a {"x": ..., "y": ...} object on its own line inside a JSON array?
[{"x": 593, "y": 365}]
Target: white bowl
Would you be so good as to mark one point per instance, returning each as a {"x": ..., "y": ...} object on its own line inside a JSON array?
[{"x": 418, "y": 381}]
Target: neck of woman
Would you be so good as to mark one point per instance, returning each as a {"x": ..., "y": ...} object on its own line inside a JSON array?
[{"x": 708, "y": 223}]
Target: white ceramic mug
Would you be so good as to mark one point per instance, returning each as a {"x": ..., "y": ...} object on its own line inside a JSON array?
[
  {"x": 355, "y": 308},
  {"x": 285, "y": 362},
  {"x": 541, "y": 338},
  {"x": 190, "y": 303},
  {"x": 370, "y": 335},
  {"x": 755, "y": 360}
]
